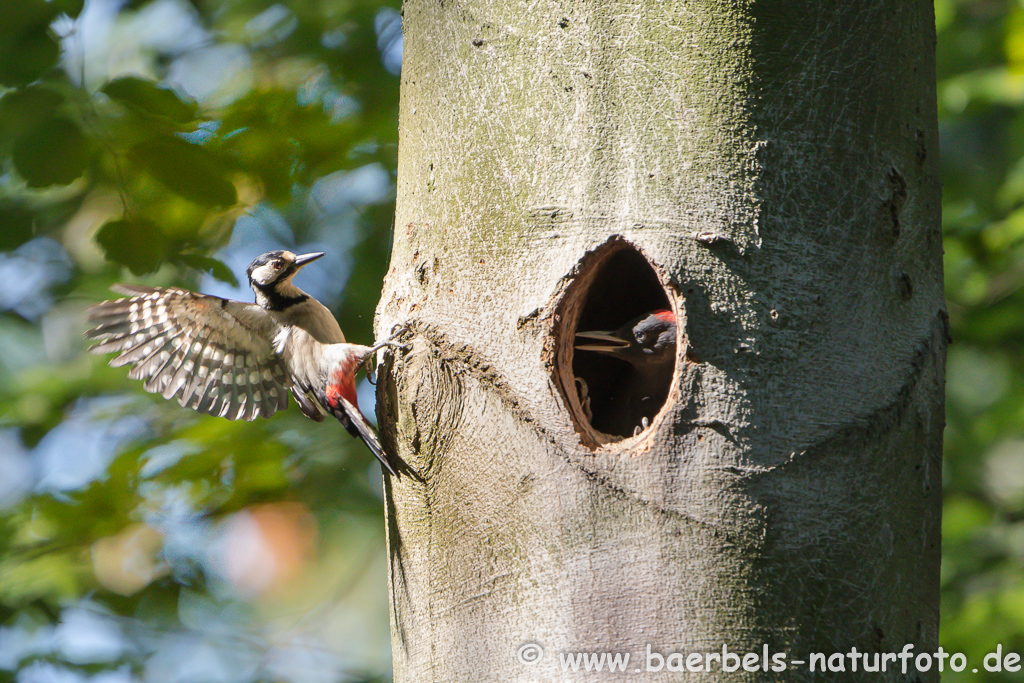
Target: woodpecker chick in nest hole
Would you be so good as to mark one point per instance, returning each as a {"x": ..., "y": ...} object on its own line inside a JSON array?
[{"x": 648, "y": 344}]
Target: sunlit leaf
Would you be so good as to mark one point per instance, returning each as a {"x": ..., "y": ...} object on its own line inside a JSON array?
[
  {"x": 152, "y": 99},
  {"x": 1015, "y": 39},
  {"x": 52, "y": 575}
]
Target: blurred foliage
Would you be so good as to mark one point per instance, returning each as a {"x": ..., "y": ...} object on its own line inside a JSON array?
[
  {"x": 177, "y": 140},
  {"x": 981, "y": 111}
]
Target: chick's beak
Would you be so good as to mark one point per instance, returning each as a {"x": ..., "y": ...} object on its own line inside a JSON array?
[
  {"x": 306, "y": 259},
  {"x": 602, "y": 342}
]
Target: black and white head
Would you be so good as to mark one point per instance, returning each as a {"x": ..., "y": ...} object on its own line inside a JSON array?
[
  {"x": 270, "y": 276},
  {"x": 647, "y": 342}
]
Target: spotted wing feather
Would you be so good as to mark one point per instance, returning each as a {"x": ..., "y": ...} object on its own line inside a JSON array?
[{"x": 214, "y": 355}]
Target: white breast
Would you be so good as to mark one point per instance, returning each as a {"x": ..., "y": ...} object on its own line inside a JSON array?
[
  {"x": 301, "y": 353},
  {"x": 313, "y": 317}
]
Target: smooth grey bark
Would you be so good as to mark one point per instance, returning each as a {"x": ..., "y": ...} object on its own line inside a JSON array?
[{"x": 777, "y": 163}]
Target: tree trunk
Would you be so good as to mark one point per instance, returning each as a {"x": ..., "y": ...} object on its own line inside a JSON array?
[{"x": 768, "y": 172}]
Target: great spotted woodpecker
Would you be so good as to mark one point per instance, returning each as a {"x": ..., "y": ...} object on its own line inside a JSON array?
[{"x": 239, "y": 360}]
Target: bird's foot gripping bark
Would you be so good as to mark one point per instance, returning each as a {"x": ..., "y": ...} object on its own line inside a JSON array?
[{"x": 398, "y": 330}]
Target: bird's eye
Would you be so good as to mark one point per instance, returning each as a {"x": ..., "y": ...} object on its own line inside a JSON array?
[
  {"x": 276, "y": 265},
  {"x": 641, "y": 336}
]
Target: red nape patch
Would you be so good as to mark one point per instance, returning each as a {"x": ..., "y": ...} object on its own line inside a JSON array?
[
  {"x": 342, "y": 385},
  {"x": 667, "y": 316}
]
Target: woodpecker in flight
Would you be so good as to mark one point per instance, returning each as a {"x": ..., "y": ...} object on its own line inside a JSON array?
[
  {"x": 648, "y": 343},
  {"x": 239, "y": 360}
]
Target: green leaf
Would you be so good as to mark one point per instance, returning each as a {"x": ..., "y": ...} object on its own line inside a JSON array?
[
  {"x": 72, "y": 8},
  {"x": 137, "y": 244},
  {"x": 21, "y": 110},
  {"x": 53, "y": 575},
  {"x": 17, "y": 226},
  {"x": 54, "y": 153},
  {"x": 211, "y": 266},
  {"x": 190, "y": 170},
  {"x": 151, "y": 99},
  {"x": 28, "y": 49}
]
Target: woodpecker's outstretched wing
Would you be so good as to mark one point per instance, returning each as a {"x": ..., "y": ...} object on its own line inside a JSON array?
[{"x": 215, "y": 355}]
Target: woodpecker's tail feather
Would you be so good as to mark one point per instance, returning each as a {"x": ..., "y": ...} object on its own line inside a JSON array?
[{"x": 357, "y": 426}]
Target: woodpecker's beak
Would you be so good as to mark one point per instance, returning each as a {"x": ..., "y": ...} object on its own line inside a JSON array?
[
  {"x": 602, "y": 342},
  {"x": 306, "y": 259}
]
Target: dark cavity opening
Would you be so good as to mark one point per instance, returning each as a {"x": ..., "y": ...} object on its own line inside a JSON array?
[{"x": 617, "y": 390}]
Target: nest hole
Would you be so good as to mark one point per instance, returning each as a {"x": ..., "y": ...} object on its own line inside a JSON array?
[{"x": 615, "y": 395}]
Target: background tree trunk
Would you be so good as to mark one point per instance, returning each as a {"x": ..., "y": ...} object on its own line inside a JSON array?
[{"x": 775, "y": 164}]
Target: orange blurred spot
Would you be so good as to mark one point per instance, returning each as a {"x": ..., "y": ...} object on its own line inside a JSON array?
[
  {"x": 128, "y": 562},
  {"x": 268, "y": 546}
]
